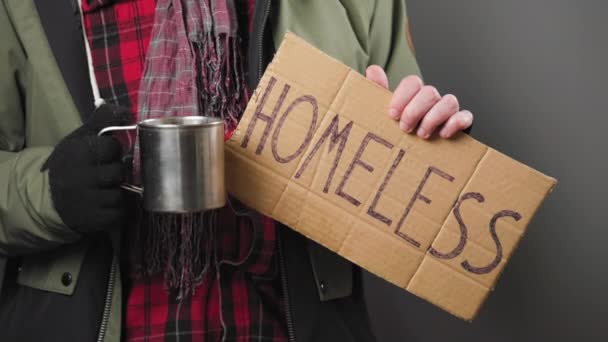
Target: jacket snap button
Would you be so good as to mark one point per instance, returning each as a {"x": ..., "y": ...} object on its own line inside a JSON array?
[
  {"x": 66, "y": 279},
  {"x": 322, "y": 286}
]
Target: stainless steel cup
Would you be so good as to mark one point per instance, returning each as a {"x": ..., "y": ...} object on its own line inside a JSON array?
[{"x": 182, "y": 163}]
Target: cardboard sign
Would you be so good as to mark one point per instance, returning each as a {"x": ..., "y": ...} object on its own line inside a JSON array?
[{"x": 316, "y": 151}]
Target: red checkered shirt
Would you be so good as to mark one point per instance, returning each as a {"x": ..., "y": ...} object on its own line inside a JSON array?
[{"x": 241, "y": 301}]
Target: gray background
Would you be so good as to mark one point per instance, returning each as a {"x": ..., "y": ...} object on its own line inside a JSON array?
[{"x": 534, "y": 73}]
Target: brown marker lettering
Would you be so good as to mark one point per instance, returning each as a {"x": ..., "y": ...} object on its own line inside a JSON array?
[
  {"x": 258, "y": 115},
  {"x": 371, "y": 211},
  {"x": 419, "y": 196},
  {"x": 357, "y": 161},
  {"x": 463, "y": 228},
  {"x": 491, "y": 266},
  {"x": 311, "y": 129},
  {"x": 336, "y": 136}
]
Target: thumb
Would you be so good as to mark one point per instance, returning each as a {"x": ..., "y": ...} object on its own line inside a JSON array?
[
  {"x": 108, "y": 115},
  {"x": 377, "y": 75}
]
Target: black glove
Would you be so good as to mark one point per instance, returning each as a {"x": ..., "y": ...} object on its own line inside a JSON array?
[{"x": 85, "y": 174}]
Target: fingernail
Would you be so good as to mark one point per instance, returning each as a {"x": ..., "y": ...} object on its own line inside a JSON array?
[
  {"x": 404, "y": 126},
  {"x": 393, "y": 113},
  {"x": 468, "y": 121},
  {"x": 422, "y": 133}
]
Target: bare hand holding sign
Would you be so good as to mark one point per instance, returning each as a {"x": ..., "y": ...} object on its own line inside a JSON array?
[
  {"x": 414, "y": 104},
  {"x": 439, "y": 218}
]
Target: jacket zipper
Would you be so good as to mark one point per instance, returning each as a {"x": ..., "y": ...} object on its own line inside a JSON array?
[
  {"x": 261, "y": 38},
  {"x": 282, "y": 269},
  {"x": 108, "y": 302},
  {"x": 283, "y": 274}
]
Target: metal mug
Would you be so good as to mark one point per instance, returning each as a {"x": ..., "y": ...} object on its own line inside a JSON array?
[{"x": 182, "y": 163}]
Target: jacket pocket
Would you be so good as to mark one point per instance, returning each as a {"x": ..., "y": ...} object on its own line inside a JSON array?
[{"x": 54, "y": 271}]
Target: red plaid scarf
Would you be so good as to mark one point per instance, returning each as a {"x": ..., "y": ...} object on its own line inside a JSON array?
[{"x": 241, "y": 300}]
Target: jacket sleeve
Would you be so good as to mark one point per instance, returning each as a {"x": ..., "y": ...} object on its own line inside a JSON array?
[
  {"x": 28, "y": 220},
  {"x": 390, "y": 44}
]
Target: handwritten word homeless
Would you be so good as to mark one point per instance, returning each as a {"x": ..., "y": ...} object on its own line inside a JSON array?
[{"x": 438, "y": 218}]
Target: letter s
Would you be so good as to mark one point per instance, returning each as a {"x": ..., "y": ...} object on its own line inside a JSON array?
[
  {"x": 491, "y": 266},
  {"x": 463, "y": 227}
]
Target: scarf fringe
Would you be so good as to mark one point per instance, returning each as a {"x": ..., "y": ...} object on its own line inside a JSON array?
[
  {"x": 179, "y": 246},
  {"x": 221, "y": 78}
]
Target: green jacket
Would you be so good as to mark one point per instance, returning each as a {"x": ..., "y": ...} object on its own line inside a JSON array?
[{"x": 37, "y": 111}]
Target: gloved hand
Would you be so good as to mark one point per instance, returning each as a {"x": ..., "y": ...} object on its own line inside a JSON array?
[{"x": 85, "y": 174}]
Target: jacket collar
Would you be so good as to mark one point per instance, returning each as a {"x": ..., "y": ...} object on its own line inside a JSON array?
[
  {"x": 61, "y": 22},
  {"x": 41, "y": 60}
]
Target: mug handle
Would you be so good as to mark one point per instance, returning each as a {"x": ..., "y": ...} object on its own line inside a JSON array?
[{"x": 126, "y": 186}]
